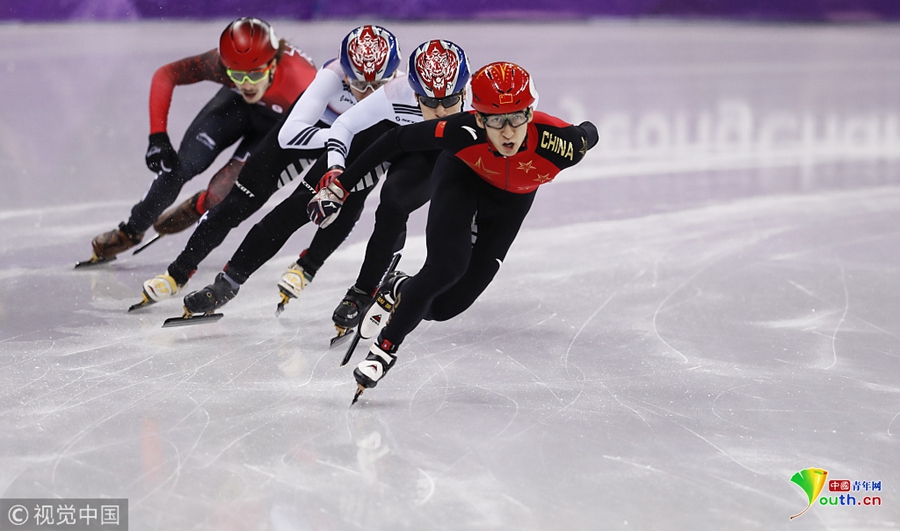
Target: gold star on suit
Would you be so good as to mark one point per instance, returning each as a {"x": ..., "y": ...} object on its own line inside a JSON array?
[
  {"x": 526, "y": 166},
  {"x": 480, "y": 165}
]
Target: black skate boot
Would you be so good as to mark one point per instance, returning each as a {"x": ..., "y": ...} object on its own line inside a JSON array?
[
  {"x": 180, "y": 217},
  {"x": 376, "y": 365},
  {"x": 346, "y": 315},
  {"x": 354, "y": 305},
  {"x": 211, "y": 297},
  {"x": 385, "y": 298},
  {"x": 390, "y": 282},
  {"x": 107, "y": 245}
]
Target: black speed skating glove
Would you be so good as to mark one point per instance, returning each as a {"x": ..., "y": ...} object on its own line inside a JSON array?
[
  {"x": 591, "y": 137},
  {"x": 161, "y": 156}
]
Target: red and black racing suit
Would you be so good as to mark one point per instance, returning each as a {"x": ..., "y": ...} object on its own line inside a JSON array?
[{"x": 472, "y": 179}]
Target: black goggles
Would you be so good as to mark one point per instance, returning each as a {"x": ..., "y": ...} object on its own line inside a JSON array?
[
  {"x": 445, "y": 102},
  {"x": 499, "y": 121}
]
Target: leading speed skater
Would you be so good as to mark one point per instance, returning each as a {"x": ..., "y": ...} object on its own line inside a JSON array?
[{"x": 492, "y": 161}]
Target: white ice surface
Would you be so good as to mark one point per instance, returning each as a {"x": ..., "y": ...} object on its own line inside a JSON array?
[{"x": 703, "y": 308}]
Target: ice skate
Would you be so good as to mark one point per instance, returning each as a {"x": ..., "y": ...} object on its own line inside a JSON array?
[
  {"x": 180, "y": 217},
  {"x": 211, "y": 297},
  {"x": 190, "y": 318},
  {"x": 378, "y": 313},
  {"x": 377, "y": 316},
  {"x": 158, "y": 288},
  {"x": 107, "y": 245},
  {"x": 357, "y": 335},
  {"x": 92, "y": 261},
  {"x": 199, "y": 306},
  {"x": 292, "y": 282},
  {"x": 372, "y": 369},
  {"x": 346, "y": 315}
]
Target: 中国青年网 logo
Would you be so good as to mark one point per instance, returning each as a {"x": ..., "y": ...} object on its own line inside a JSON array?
[{"x": 840, "y": 492}]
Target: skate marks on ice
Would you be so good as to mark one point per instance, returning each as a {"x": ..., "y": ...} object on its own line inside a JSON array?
[
  {"x": 727, "y": 301},
  {"x": 566, "y": 363}
]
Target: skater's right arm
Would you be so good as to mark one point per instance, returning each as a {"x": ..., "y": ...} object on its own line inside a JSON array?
[
  {"x": 161, "y": 156},
  {"x": 299, "y": 130},
  {"x": 184, "y": 72},
  {"x": 370, "y": 111}
]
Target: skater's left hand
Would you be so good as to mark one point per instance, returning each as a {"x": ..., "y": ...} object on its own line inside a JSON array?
[
  {"x": 591, "y": 137},
  {"x": 326, "y": 204}
]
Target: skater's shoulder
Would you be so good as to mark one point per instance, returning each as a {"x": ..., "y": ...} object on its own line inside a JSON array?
[
  {"x": 205, "y": 66},
  {"x": 462, "y": 125},
  {"x": 332, "y": 67},
  {"x": 545, "y": 120},
  {"x": 398, "y": 90},
  {"x": 292, "y": 54}
]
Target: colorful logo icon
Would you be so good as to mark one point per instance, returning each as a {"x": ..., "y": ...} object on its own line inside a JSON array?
[{"x": 811, "y": 480}]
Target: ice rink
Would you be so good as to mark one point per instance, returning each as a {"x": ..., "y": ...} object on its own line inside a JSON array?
[{"x": 707, "y": 305}]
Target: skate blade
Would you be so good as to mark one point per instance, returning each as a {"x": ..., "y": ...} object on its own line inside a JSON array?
[
  {"x": 190, "y": 319},
  {"x": 285, "y": 298},
  {"x": 93, "y": 262},
  {"x": 145, "y": 301},
  {"x": 343, "y": 334},
  {"x": 147, "y": 244},
  {"x": 351, "y": 348},
  {"x": 359, "y": 391}
]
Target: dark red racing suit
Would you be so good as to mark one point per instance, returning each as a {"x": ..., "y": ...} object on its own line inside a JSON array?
[
  {"x": 473, "y": 181},
  {"x": 224, "y": 120}
]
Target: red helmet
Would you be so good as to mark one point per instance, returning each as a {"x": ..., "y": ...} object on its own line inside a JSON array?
[
  {"x": 247, "y": 43},
  {"x": 501, "y": 87}
]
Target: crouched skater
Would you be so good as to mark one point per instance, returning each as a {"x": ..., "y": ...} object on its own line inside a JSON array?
[
  {"x": 261, "y": 76},
  {"x": 492, "y": 162}
]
